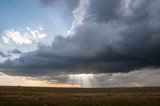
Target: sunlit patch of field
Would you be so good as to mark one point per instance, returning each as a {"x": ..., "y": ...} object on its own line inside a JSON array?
[{"x": 41, "y": 96}]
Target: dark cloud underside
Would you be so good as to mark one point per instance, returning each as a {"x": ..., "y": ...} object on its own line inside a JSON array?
[{"x": 116, "y": 36}]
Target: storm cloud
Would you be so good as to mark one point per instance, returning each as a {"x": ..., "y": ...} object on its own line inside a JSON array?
[{"x": 114, "y": 36}]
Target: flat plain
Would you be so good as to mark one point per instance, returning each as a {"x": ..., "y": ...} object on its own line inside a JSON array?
[{"x": 48, "y": 96}]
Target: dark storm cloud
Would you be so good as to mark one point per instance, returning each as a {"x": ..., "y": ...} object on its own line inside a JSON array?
[
  {"x": 15, "y": 51},
  {"x": 105, "y": 10},
  {"x": 116, "y": 36},
  {"x": 128, "y": 11}
]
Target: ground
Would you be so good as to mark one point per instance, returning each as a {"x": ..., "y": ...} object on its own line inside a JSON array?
[{"x": 45, "y": 96}]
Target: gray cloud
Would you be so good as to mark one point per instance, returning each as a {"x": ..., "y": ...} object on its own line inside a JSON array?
[
  {"x": 3, "y": 55},
  {"x": 115, "y": 36},
  {"x": 137, "y": 78},
  {"x": 15, "y": 51}
]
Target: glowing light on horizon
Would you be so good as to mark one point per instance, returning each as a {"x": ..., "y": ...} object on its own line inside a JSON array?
[
  {"x": 83, "y": 80},
  {"x": 7, "y": 80}
]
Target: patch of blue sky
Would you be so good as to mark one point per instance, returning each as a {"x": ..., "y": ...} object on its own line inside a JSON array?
[{"x": 19, "y": 14}]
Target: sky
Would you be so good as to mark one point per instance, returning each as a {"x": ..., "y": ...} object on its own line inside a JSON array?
[{"x": 80, "y": 43}]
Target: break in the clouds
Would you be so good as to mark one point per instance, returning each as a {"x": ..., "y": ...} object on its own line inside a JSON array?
[
  {"x": 137, "y": 78},
  {"x": 109, "y": 36},
  {"x": 28, "y": 37}
]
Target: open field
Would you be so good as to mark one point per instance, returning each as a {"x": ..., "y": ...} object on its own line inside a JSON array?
[{"x": 41, "y": 96}]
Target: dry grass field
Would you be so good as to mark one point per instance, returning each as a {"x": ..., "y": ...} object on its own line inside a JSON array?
[{"x": 43, "y": 96}]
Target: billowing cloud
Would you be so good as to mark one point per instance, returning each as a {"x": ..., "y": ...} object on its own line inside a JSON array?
[
  {"x": 78, "y": 15},
  {"x": 32, "y": 35},
  {"x": 113, "y": 36}
]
